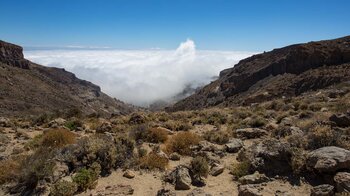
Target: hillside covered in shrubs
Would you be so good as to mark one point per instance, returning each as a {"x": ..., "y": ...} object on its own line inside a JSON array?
[{"x": 286, "y": 146}]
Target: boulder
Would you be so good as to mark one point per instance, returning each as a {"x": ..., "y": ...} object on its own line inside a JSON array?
[
  {"x": 216, "y": 169},
  {"x": 250, "y": 133},
  {"x": 322, "y": 190},
  {"x": 269, "y": 156},
  {"x": 255, "y": 178},
  {"x": 328, "y": 159},
  {"x": 180, "y": 177},
  {"x": 250, "y": 190},
  {"x": 341, "y": 120},
  {"x": 342, "y": 182},
  {"x": 234, "y": 145}
]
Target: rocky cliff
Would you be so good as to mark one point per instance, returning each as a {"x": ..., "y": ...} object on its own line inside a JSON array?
[
  {"x": 27, "y": 88},
  {"x": 287, "y": 71}
]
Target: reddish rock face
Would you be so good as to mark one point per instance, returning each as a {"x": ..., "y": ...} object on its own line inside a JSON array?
[{"x": 286, "y": 71}]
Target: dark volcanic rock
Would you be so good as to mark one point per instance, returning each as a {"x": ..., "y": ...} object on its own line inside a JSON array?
[
  {"x": 287, "y": 71},
  {"x": 328, "y": 159},
  {"x": 269, "y": 156},
  {"x": 341, "y": 120}
]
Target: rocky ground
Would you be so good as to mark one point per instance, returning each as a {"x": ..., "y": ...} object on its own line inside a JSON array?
[{"x": 287, "y": 146}]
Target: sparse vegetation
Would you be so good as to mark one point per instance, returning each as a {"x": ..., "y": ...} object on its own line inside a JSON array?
[
  {"x": 153, "y": 161},
  {"x": 10, "y": 169},
  {"x": 85, "y": 179},
  {"x": 240, "y": 169},
  {"x": 181, "y": 143},
  {"x": 218, "y": 137},
  {"x": 73, "y": 124},
  {"x": 157, "y": 135},
  {"x": 199, "y": 166},
  {"x": 56, "y": 138},
  {"x": 64, "y": 188}
]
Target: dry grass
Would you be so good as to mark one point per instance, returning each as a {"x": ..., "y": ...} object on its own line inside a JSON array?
[
  {"x": 240, "y": 169},
  {"x": 57, "y": 138},
  {"x": 218, "y": 137},
  {"x": 157, "y": 135},
  {"x": 181, "y": 143},
  {"x": 10, "y": 169},
  {"x": 153, "y": 161}
]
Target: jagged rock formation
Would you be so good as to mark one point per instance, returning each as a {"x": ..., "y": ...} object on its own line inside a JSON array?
[
  {"x": 27, "y": 88},
  {"x": 287, "y": 71}
]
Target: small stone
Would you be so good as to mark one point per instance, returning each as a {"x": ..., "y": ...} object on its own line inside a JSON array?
[
  {"x": 255, "y": 178},
  {"x": 250, "y": 190},
  {"x": 216, "y": 169},
  {"x": 322, "y": 190},
  {"x": 129, "y": 174}
]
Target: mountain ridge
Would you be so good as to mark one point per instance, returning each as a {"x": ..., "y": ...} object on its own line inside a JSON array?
[
  {"x": 249, "y": 80},
  {"x": 28, "y": 88}
]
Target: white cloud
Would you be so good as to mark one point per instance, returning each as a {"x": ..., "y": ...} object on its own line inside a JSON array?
[{"x": 141, "y": 76}]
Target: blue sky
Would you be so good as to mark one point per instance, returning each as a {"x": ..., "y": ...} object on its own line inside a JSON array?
[{"x": 138, "y": 24}]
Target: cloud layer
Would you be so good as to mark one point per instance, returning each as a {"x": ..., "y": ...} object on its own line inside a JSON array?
[{"x": 141, "y": 77}]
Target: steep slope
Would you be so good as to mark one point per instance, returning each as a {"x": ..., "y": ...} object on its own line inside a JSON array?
[
  {"x": 27, "y": 88},
  {"x": 287, "y": 71}
]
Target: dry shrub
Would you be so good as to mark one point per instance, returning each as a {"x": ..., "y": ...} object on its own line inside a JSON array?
[
  {"x": 298, "y": 160},
  {"x": 56, "y": 138},
  {"x": 153, "y": 161},
  {"x": 218, "y": 137},
  {"x": 10, "y": 169},
  {"x": 199, "y": 166},
  {"x": 157, "y": 135},
  {"x": 321, "y": 136},
  {"x": 306, "y": 124},
  {"x": 177, "y": 126},
  {"x": 181, "y": 143},
  {"x": 257, "y": 122},
  {"x": 240, "y": 169}
]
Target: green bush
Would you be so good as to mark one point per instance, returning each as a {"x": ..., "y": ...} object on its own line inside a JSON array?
[
  {"x": 63, "y": 188},
  {"x": 85, "y": 179},
  {"x": 73, "y": 124},
  {"x": 199, "y": 166}
]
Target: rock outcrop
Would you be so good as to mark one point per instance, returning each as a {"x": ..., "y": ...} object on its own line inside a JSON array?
[
  {"x": 27, "y": 88},
  {"x": 328, "y": 159},
  {"x": 287, "y": 71}
]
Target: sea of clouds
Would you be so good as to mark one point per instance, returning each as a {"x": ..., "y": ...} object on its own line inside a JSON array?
[{"x": 141, "y": 77}]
